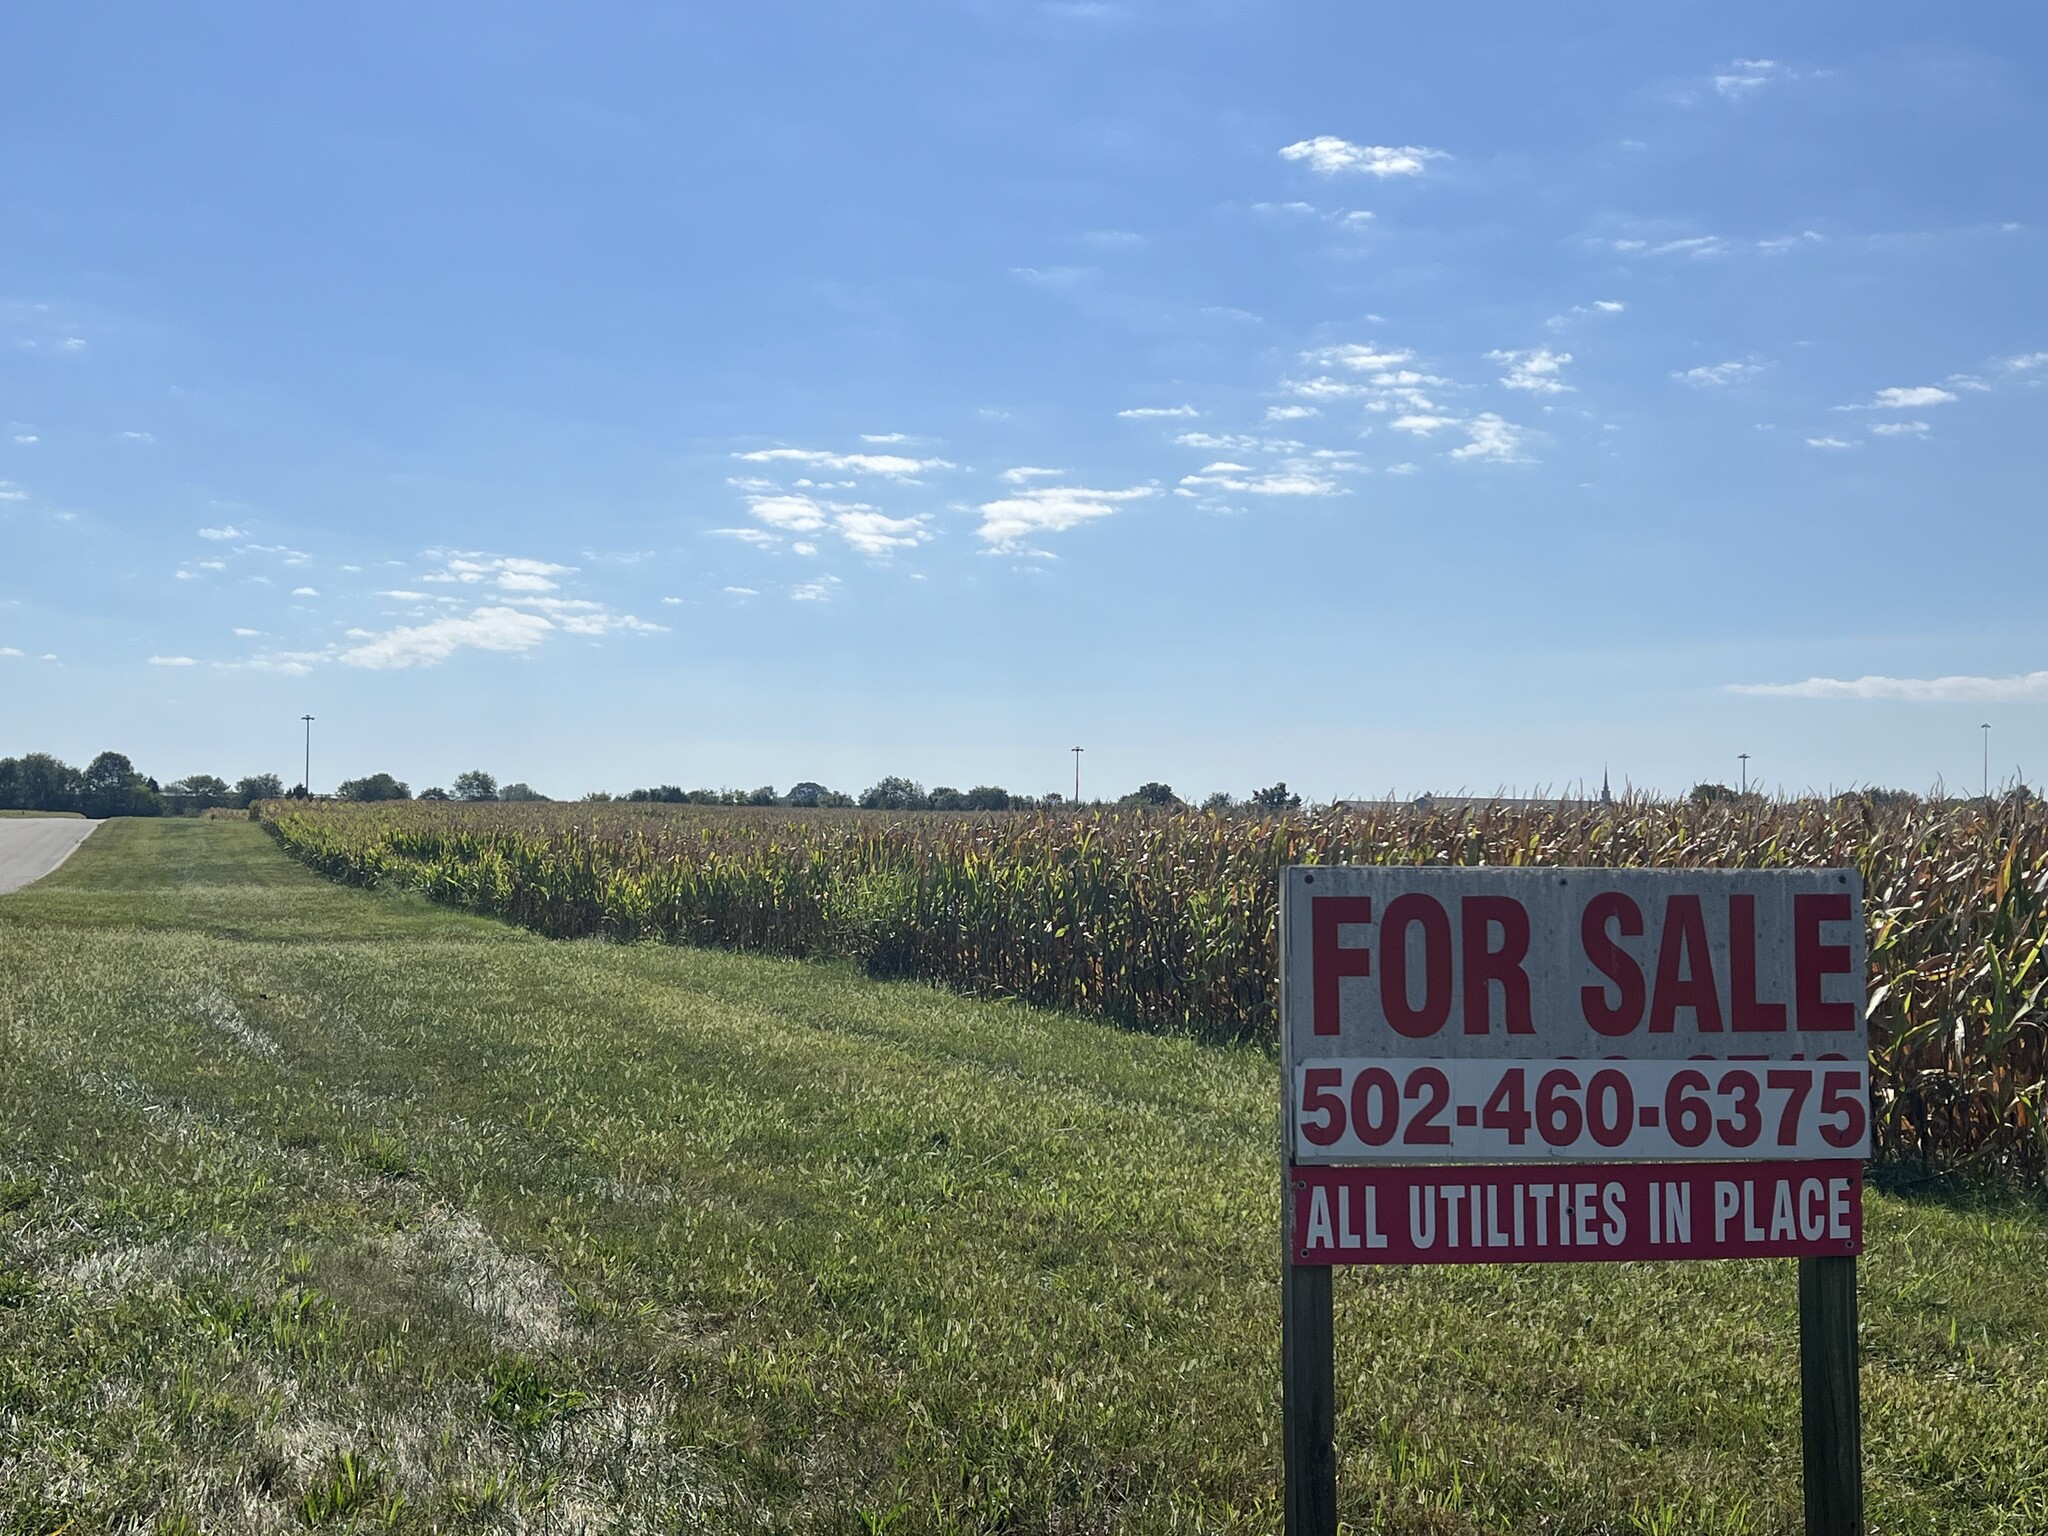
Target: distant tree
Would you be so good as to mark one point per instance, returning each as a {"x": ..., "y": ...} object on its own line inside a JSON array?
[
  {"x": 257, "y": 786},
  {"x": 377, "y": 786},
  {"x": 110, "y": 786},
  {"x": 520, "y": 792},
  {"x": 894, "y": 794},
  {"x": 197, "y": 792},
  {"x": 1151, "y": 794},
  {"x": 37, "y": 781},
  {"x": 946, "y": 798},
  {"x": 297, "y": 792},
  {"x": 663, "y": 794},
  {"x": 1218, "y": 803},
  {"x": 476, "y": 785},
  {"x": 765, "y": 795},
  {"x": 988, "y": 797},
  {"x": 1274, "y": 797},
  {"x": 835, "y": 800},
  {"x": 806, "y": 795},
  {"x": 434, "y": 792},
  {"x": 598, "y": 797},
  {"x": 1710, "y": 794},
  {"x": 1052, "y": 802}
]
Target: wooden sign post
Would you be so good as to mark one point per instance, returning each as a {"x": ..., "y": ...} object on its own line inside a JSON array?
[{"x": 1485, "y": 1066}]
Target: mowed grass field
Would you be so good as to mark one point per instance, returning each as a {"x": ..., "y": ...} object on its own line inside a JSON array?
[{"x": 329, "y": 1208}]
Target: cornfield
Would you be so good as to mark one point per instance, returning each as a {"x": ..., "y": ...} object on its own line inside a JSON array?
[{"x": 1165, "y": 921}]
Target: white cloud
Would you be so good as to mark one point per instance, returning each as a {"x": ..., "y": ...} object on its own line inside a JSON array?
[
  {"x": 1690, "y": 245},
  {"x": 794, "y": 513},
  {"x": 729, "y": 591},
  {"x": 9, "y": 491},
  {"x": 885, "y": 437},
  {"x": 876, "y": 535},
  {"x": 2026, "y": 362},
  {"x": 1150, "y": 412},
  {"x": 1535, "y": 370},
  {"x": 8, "y": 650},
  {"x": 1057, "y": 279},
  {"x": 404, "y": 596},
  {"x": 247, "y": 634},
  {"x": 673, "y": 601},
  {"x": 744, "y": 535},
  {"x": 1304, "y": 209},
  {"x": 1291, "y": 412},
  {"x": 1028, "y": 472},
  {"x": 483, "y": 629},
  {"x": 802, "y": 548},
  {"x": 508, "y": 573},
  {"x": 26, "y": 438},
  {"x": 1423, "y": 425},
  {"x": 305, "y": 591},
  {"x": 1900, "y": 428},
  {"x": 72, "y": 344},
  {"x": 818, "y": 591},
  {"x": 1916, "y": 690},
  {"x": 1237, "y": 477},
  {"x": 1332, "y": 156},
  {"x": 138, "y": 437},
  {"x": 1717, "y": 375},
  {"x": 1492, "y": 438},
  {"x": 171, "y": 661},
  {"x": 1744, "y": 77},
  {"x": 1325, "y": 388},
  {"x": 1830, "y": 443},
  {"x": 1580, "y": 311},
  {"x": 1910, "y": 398},
  {"x": 220, "y": 534},
  {"x": 894, "y": 466},
  {"x": 1401, "y": 469},
  {"x": 1358, "y": 358},
  {"x": 1783, "y": 243},
  {"x": 1008, "y": 521}
]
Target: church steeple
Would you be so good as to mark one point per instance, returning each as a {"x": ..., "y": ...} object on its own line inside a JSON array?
[{"x": 1606, "y": 794}]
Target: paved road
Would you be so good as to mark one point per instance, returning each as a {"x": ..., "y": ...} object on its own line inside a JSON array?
[{"x": 32, "y": 846}]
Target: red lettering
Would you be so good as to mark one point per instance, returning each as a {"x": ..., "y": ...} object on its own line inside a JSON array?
[
  {"x": 1812, "y": 960},
  {"x": 1613, "y": 962},
  {"x": 1484, "y": 966},
  {"x": 1332, "y": 961},
  {"x": 1750, "y": 1015},
  {"x": 1416, "y": 1021},
  {"x": 1684, "y": 944}
]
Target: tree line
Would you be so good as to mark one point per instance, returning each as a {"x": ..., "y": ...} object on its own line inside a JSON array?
[
  {"x": 895, "y": 793},
  {"x": 110, "y": 785}
]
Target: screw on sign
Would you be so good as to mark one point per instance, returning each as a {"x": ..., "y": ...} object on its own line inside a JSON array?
[{"x": 1489, "y": 1066}]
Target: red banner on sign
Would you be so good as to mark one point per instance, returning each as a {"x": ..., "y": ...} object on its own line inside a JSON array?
[{"x": 1575, "y": 1213}]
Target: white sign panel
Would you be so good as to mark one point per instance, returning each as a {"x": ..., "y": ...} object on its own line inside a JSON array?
[{"x": 1505, "y": 1015}]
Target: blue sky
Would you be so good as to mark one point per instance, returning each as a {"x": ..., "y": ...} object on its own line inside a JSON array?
[{"x": 1375, "y": 398}]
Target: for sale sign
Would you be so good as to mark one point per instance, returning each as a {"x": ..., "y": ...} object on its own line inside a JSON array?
[{"x": 1660, "y": 1026}]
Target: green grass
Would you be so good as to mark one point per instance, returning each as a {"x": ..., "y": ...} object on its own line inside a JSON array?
[
  {"x": 322, "y": 1208},
  {"x": 68, "y": 815}
]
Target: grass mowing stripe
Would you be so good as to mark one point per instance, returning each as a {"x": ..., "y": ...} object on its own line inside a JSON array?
[{"x": 324, "y": 1207}]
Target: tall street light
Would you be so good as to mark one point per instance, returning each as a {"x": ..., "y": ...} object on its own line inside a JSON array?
[
  {"x": 307, "y": 782},
  {"x": 1986, "y": 729},
  {"x": 1745, "y": 771},
  {"x": 1077, "y": 776}
]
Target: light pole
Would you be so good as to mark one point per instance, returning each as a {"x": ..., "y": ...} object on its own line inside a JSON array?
[
  {"x": 1077, "y": 777},
  {"x": 1745, "y": 773},
  {"x": 307, "y": 782},
  {"x": 1986, "y": 729}
]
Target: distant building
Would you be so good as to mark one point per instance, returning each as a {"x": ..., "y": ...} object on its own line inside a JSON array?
[{"x": 1492, "y": 802}]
